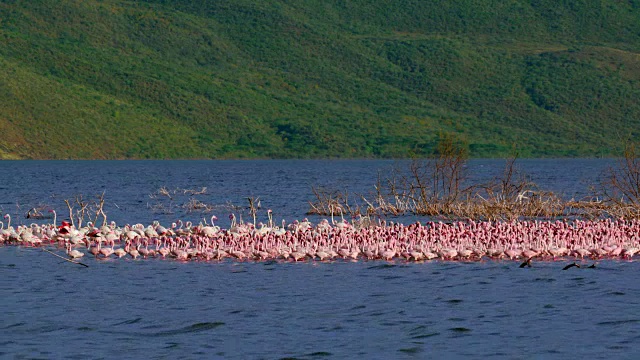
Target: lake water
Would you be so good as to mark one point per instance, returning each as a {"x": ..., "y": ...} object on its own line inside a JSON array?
[
  {"x": 376, "y": 310},
  {"x": 131, "y": 187}
]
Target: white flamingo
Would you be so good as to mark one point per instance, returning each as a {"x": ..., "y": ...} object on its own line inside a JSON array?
[{"x": 74, "y": 254}]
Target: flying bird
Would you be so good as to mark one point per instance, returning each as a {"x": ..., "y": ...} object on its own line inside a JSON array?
[
  {"x": 571, "y": 265},
  {"x": 527, "y": 263}
]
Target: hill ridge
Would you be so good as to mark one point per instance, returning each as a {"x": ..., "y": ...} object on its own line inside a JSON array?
[{"x": 321, "y": 79}]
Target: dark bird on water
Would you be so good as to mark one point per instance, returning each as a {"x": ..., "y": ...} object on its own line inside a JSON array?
[
  {"x": 527, "y": 263},
  {"x": 571, "y": 265}
]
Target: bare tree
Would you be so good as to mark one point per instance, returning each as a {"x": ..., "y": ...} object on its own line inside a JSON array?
[{"x": 621, "y": 184}]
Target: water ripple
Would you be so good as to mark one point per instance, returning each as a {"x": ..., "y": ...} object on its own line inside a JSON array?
[
  {"x": 618, "y": 322},
  {"x": 322, "y": 311},
  {"x": 198, "y": 327},
  {"x": 460, "y": 329},
  {"x": 411, "y": 350},
  {"x": 382, "y": 267},
  {"x": 129, "y": 322},
  {"x": 13, "y": 325},
  {"x": 320, "y": 354}
]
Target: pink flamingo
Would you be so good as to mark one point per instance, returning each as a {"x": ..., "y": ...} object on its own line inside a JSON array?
[{"x": 107, "y": 251}]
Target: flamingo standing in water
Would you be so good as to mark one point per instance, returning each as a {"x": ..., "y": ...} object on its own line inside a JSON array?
[
  {"x": 459, "y": 241},
  {"x": 55, "y": 216},
  {"x": 144, "y": 251},
  {"x": 74, "y": 254},
  {"x": 3, "y": 233},
  {"x": 210, "y": 231},
  {"x": 107, "y": 251},
  {"x": 8, "y": 217},
  {"x": 133, "y": 251},
  {"x": 388, "y": 254},
  {"x": 94, "y": 249},
  {"x": 163, "y": 251},
  {"x": 120, "y": 252},
  {"x": 160, "y": 230}
]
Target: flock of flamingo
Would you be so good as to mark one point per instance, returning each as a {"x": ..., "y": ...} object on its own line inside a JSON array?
[{"x": 303, "y": 241}]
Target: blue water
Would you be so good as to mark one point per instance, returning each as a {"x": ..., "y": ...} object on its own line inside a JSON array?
[
  {"x": 130, "y": 187},
  {"x": 376, "y": 310}
]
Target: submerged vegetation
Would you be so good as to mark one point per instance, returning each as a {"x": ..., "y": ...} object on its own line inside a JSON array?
[{"x": 241, "y": 79}]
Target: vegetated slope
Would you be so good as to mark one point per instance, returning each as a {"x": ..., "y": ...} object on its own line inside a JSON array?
[{"x": 281, "y": 78}]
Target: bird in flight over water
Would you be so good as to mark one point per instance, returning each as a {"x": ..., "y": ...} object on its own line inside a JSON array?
[{"x": 571, "y": 265}]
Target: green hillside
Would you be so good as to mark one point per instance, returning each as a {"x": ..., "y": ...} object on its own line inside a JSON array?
[{"x": 316, "y": 78}]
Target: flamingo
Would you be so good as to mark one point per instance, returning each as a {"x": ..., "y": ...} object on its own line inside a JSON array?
[
  {"x": 459, "y": 240},
  {"x": 145, "y": 252},
  {"x": 388, "y": 254},
  {"x": 322, "y": 255},
  {"x": 133, "y": 251},
  {"x": 527, "y": 253},
  {"x": 270, "y": 218},
  {"x": 130, "y": 234},
  {"x": 164, "y": 251},
  {"x": 416, "y": 255},
  {"x": 150, "y": 232},
  {"x": 74, "y": 254},
  {"x": 55, "y": 216},
  {"x": 298, "y": 255},
  {"x": 160, "y": 230},
  {"x": 210, "y": 231},
  {"x": 430, "y": 255},
  {"x": 279, "y": 231},
  {"x": 120, "y": 252},
  {"x": 95, "y": 249},
  {"x": 107, "y": 251},
  {"x": 8, "y": 217}
]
